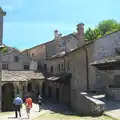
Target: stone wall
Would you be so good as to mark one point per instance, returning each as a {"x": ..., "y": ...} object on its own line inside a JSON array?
[
  {"x": 105, "y": 47},
  {"x": 87, "y": 105},
  {"x": 19, "y": 65},
  {"x": 64, "y": 92}
]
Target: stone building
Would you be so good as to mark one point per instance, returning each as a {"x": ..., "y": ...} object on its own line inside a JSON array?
[
  {"x": 67, "y": 69},
  {"x": 105, "y": 47},
  {"x": 60, "y": 44},
  {"x": 19, "y": 76},
  {"x": 76, "y": 63}
]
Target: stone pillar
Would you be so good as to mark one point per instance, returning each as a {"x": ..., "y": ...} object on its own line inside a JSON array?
[
  {"x": 40, "y": 87},
  {"x": 54, "y": 91},
  {"x": 21, "y": 89},
  {"x": 15, "y": 89},
  {"x": 2, "y": 13}
]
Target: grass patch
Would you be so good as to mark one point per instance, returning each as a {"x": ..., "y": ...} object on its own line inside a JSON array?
[{"x": 58, "y": 116}]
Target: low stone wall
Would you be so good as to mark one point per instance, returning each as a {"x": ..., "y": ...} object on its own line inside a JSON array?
[{"x": 88, "y": 106}]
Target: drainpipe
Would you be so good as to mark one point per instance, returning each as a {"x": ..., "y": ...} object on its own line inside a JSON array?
[
  {"x": 64, "y": 56},
  {"x": 87, "y": 68}
]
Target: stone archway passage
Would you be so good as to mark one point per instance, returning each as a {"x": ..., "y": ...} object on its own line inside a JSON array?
[
  {"x": 7, "y": 97},
  {"x": 33, "y": 90}
]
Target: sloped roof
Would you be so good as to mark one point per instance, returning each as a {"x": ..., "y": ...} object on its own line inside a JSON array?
[
  {"x": 15, "y": 50},
  {"x": 106, "y": 60},
  {"x": 63, "y": 38},
  {"x": 58, "y": 77},
  {"x": 16, "y": 76},
  {"x": 62, "y": 54}
]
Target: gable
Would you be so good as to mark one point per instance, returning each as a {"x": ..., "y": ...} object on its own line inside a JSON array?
[{"x": 10, "y": 57}]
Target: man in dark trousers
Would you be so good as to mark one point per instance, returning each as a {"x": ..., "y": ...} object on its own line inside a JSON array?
[
  {"x": 18, "y": 104},
  {"x": 39, "y": 102}
]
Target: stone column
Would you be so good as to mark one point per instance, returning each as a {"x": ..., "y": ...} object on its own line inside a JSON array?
[
  {"x": 40, "y": 87},
  {"x": 21, "y": 89},
  {"x": 2, "y": 13}
]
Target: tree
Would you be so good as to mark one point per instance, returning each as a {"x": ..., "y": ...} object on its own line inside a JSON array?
[
  {"x": 92, "y": 34},
  {"x": 108, "y": 26},
  {"x": 103, "y": 28},
  {"x": 4, "y": 50}
]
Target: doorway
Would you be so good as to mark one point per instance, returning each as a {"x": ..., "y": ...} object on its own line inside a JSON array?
[
  {"x": 49, "y": 92},
  {"x": 8, "y": 95},
  {"x": 57, "y": 93}
]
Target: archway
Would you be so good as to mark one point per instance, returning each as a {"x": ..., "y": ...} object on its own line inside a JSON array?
[
  {"x": 7, "y": 97},
  {"x": 33, "y": 90}
]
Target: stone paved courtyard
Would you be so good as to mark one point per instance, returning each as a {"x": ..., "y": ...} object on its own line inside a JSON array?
[{"x": 50, "y": 112}]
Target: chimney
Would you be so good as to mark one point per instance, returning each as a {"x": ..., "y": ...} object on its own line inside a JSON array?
[
  {"x": 55, "y": 34},
  {"x": 80, "y": 34}
]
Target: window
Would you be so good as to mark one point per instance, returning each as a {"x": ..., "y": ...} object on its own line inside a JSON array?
[
  {"x": 29, "y": 87},
  {"x": 26, "y": 67},
  {"x": 62, "y": 66},
  {"x": 59, "y": 67},
  {"x": 33, "y": 55},
  {"x": 45, "y": 66},
  {"x": 68, "y": 66},
  {"x": 27, "y": 53},
  {"x": 4, "y": 66},
  {"x": 16, "y": 59},
  {"x": 51, "y": 68}
]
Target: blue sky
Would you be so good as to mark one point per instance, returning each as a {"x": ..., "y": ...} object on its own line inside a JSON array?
[{"x": 32, "y": 22}]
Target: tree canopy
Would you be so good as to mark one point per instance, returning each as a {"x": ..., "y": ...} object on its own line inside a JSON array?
[
  {"x": 103, "y": 28},
  {"x": 4, "y": 50}
]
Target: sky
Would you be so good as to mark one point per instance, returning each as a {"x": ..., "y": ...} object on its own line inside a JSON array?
[{"x": 32, "y": 22}]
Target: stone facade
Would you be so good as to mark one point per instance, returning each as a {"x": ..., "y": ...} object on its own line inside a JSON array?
[
  {"x": 105, "y": 47},
  {"x": 17, "y": 61},
  {"x": 18, "y": 67}
]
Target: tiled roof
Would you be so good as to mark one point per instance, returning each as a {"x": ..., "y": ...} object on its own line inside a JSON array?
[
  {"x": 106, "y": 60},
  {"x": 54, "y": 77},
  {"x": 62, "y": 38},
  {"x": 62, "y": 54},
  {"x": 21, "y": 75}
]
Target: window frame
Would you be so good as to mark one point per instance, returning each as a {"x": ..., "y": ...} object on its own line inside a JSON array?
[
  {"x": 26, "y": 65},
  {"x": 16, "y": 58},
  {"x": 5, "y": 67}
]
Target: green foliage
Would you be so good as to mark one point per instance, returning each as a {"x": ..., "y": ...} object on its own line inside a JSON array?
[
  {"x": 103, "y": 28},
  {"x": 4, "y": 50}
]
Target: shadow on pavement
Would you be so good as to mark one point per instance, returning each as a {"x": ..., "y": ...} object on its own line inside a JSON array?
[{"x": 56, "y": 107}]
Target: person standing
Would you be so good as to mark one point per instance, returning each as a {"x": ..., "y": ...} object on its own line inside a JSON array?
[
  {"x": 28, "y": 103},
  {"x": 18, "y": 104},
  {"x": 39, "y": 102}
]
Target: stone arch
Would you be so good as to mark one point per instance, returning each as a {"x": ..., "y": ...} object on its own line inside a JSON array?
[
  {"x": 33, "y": 89},
  {"x": 8, "y": 94}
]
